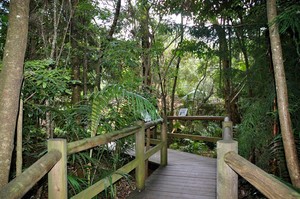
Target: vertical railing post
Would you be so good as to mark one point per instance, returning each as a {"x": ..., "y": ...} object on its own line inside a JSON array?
[
  {"x": 140, "y": 156},
  {"x": 227, "y": 179},
  {"x": 164, "y": 139},
  {"x": 57, "y": 177},
  {"x": 148, "y": 137}
]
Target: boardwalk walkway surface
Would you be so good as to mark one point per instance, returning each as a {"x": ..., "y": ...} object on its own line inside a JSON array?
[{"x": 187, "y": 176}]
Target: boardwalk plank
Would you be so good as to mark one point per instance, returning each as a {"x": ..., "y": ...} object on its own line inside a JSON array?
[{"x": 187, "y": 176}]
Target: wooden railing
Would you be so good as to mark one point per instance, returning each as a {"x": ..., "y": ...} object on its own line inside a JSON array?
[
  {"x": 55, "y": 163},
  {"x": 230, "y": 165},
  {"x": 193, "y": 118}
]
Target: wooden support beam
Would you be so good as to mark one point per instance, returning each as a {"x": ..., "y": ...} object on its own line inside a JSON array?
[
  {"x": 153, "y": 150},
  {"x": 227, "y": 179},
  {"x": 264, "y": 182},
  {"x": 164, "y": 139},
  {"x": 148, "y": 137},
  {"x": 155, "y": 141},
  {"x": 57, "y": 177},
  {"x": 140, "y": 156}
]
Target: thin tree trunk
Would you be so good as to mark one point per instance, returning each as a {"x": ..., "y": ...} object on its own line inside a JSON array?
[
  {"x": 225, "y": 63},
  {"x": 72, "y": 11},
  {"x": 176, "y": 70},
  {"x": 104, "y": 44},
  {"x": 85, "y": 76},
  {"x": 48, "y": 120},
  {"x": 115, "y": 21},
  {"x": 230, "y": 105},
  {"x": 56, "y": 19},
  {"x": 76, "y": 88},
  {"x": 163, "y": 93},
  {"x": 74, "y": 32},
  {"x": 241, "y": 42},
  {"x": 282, "y": 97},
  {"x": 146, "y": 45},
  {"x": 11, "y": 81},
  {"x": 19, "y": 147}
]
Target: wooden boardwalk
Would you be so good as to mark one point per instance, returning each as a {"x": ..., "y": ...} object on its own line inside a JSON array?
[{"x": 187, "y": 176}]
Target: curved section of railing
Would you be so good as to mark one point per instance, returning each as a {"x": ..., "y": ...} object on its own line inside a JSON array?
[
  {"x": 153, "y": 123},
  {"x": 264, "y": 182},
  {"x": 195, "y": 137},
  {"x": 229, "y": 164}
]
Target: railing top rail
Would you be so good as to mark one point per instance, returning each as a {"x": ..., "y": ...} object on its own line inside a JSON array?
[
  {"x": 264, "y": 182},
  {"x": 88, "y": 143},
  {"x": 153, "y": 123},
  {"x": 25, "y": 181},
  {"x": 211, "y": 118}
]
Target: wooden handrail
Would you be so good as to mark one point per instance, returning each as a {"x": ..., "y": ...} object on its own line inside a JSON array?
[
  {"x": 211, "y": 118},
  {"x": 264, "y": 182},
  {"x": 194, "y": 137},
  {"x": 55, "y": 160},
  {"x": 230, "y": 163},
  {"x": 88, "y": 143},
  {"x": 19, "y": 186},
  {"x": 153, "y": 123}
]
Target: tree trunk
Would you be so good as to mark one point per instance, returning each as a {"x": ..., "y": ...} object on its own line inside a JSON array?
[
  {"x": 11, "y": 81},
  {"x": 76, "y": 88},
  {"x": 85, "y": 77},
  {"x": 19, "y": 141},
  {"x": 76, "y": 57},
  {"x": 230, "y": 106},
  {"x": 146, "y": 45},
  {"x": 104, "y": 44},
  {"x": 282, "y": 97},
  {"x": 225, "y": 66},
  {"x": 241, "y": 42},
  {"x": 176, "y": 70}
]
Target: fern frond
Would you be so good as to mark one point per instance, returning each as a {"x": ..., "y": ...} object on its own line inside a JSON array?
[{"x": 139, "y": 106}]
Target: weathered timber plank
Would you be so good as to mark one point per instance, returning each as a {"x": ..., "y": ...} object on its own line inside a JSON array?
[
  {"x": 186, "y": 187},
  {"x": 170, "y": 195},
  {"x": 185, "y": 180},
  {"x": 187, "y": 176}
]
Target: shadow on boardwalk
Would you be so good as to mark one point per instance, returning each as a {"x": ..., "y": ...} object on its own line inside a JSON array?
[{"x": 187, "y": 176}]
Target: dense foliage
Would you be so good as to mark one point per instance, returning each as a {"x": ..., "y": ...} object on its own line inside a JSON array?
[{"x": 94, "y": 66}]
